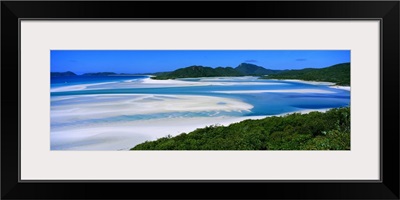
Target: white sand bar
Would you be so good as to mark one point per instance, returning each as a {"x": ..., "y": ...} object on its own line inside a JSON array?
[
  {"x": 150, "y": 83},
  {"x": 276, "y": 91},
  {"x": 97, "y": 122},
  {"x": 309, "y": 82},
  {"x": 125, "y": 135},
  {"x": 84, "y": 107},
  {"x": 347, "y": 88},
  {"x": 122, "y": 135},
  {"x": 78, "y": 87}
]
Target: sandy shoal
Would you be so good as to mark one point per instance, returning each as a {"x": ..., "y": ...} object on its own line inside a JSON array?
[
  {"x": 347, "y": 88},
  {"x": 84, "y": 107},
  {"x": 319, "y": 91},
  {"x": 151, "y": 83},
  {"x": 303, "y": 81},
  {"x": 125, "y": 135}
]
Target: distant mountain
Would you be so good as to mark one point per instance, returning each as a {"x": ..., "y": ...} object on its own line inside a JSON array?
[
  {"x": 198, "y": 71},
  {"x": 339, "y": 74},
  {"x": 100, "y": 74},
  {"x": 58, "y": 74},
  {"x": 254, "y": 70},
  {"x": 244, "y": 69}
]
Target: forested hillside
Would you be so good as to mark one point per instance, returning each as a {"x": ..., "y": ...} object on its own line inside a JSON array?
[
  {"x": 339, "y": 74},
  {"x": 312, "y": 131},
  {"x": 198, "y": 71},
  {"x": 254, "y": 70}
]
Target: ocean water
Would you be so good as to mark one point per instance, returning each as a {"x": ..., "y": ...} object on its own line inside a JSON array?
[
  {"x": 81, "y": 102},
  {"x": 264, "y": 103},
  {"x": 76, "y": 80}
]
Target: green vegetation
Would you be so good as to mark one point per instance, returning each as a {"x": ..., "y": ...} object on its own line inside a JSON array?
[
  {"x": 198, "y": 71},
  {"x": 312, "y": 131},
  {"x": 58, "y": 74},
  {"x": 339, "y": 74},
  {"x": 195, "y": 71},
  {"x": 254, "y": 70}
]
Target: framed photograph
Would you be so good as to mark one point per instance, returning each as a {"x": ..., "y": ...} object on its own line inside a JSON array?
[{"x": 289, "y": 96}]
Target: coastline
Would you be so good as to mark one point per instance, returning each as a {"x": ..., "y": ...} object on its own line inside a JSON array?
[
  {"x": 126, "y": 134},
  {"x": 330, "y": 84},
  {"x": 303, "y": 81},
  {"x": 347, "y": 88},
  {"x": 205, "y": 81},
  {"x": 315, "y": 91}
]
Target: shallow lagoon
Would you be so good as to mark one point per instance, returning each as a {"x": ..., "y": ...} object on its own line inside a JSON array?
[{"x": 116, "y": 113}]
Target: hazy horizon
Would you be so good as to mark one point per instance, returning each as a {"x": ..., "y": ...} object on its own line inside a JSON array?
[{"x": 151, "y": 61}]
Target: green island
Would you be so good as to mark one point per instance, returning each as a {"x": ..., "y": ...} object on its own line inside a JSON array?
[
  {"x": 69, "y": 73},
  {"x": 62, "y": 74},
  {"x": 328, "y": 130},
  {"x": 195, "y": 71},
  {"x": 216, "y": 99},
  {"x": 338, "y": 74},
  {"x": 254, "y": 70},
  {"x": 313, "y": 131}
]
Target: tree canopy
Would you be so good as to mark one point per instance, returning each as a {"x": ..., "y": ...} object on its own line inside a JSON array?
[
  {"x": 339, "y": 74},
  {"x": 312, "y": 131}
]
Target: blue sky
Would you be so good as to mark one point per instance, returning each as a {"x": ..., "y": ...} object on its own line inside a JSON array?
[{"x": 148, "y": 61}]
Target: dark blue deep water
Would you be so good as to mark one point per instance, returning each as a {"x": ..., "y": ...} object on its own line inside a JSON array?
[{"x": 76, "y": 80}]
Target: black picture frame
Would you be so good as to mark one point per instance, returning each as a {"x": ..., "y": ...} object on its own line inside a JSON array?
[{"x": 386, "y": 11}]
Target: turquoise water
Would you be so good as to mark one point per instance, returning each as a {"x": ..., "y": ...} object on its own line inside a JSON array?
[
  {"x": 264, "y": 103},
  {"x": 118, "y": 112}
]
